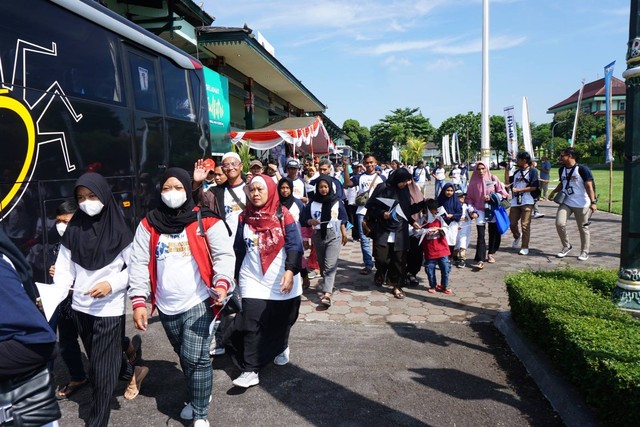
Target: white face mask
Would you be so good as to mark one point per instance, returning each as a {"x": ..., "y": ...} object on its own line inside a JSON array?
[
  {"x": 91, "y": 207},
  {"x": 61, "y": 227},
  {"x": 174, "y": 198}
]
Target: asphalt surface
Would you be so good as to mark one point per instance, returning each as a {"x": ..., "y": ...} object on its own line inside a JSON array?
[{"x": 371, "y": 359}]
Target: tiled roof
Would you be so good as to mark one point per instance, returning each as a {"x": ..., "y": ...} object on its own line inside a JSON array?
[{"x": 593, "y": 89}]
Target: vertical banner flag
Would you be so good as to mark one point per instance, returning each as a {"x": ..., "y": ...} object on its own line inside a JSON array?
[
  {"x": 575, "y": 120},
  {"x": 458, "y": 147},
  {"x": 219, "y": 112},
  {"x": 453, "y": 147},
  {"x": 445, "y": 150},
  {"x": 512, "y": 133},
  {"x": 608, "y": 73},
  {"x": 526, "y": 128}
]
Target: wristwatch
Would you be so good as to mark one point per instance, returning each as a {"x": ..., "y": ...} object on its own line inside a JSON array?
[{"x": 594, "y": 202}]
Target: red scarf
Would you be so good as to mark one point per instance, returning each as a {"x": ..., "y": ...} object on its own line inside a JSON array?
[{"x": 265, "y": 223}]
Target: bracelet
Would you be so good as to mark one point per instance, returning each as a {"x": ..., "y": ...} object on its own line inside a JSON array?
[{"x": 594, "y": 202}]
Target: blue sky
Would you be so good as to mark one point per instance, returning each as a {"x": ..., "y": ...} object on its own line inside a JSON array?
[{"x": 364, "y": 58}]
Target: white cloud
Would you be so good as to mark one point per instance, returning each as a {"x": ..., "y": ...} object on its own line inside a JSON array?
[
  {"x": 394, "y": 63},
  {"x": 475, "y": 46},
  {"x": 444, "y": 64}
]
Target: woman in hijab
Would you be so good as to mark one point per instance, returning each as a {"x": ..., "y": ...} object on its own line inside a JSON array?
[
  {"x": 328, "y": 217},
  {"x": 415, "y": 256},
  {"x": 183, "y": 252},
  {"x": 390, "y": 209},
  {"x": 481, "y": 185},
  {"x": 449, "y": 201},
  {"x": 93, "y": 258},
  {"x": 269, "y": 252}
]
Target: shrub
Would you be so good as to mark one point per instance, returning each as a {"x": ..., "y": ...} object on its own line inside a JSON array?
[{"x": 570, "y": 315}]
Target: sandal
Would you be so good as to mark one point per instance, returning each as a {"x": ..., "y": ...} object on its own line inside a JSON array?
[
  {"x": 491, "y": 259},
  {"x": 133, "y": 389},
  {"x": 379, "y": 281},
  {"x": 326, "y": 300},
  {"x": 67, "y": 390},
  {"x": 397, "y": 292},
  {"x": 431, "y": 290},
  {"x": 479, "y": 265},
  {"x": 447, "y": 291}
]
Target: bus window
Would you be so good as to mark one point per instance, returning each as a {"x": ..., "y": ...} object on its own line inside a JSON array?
[
  {"x": 143, "y": 79},
  {"x": 178, "y": 103}
]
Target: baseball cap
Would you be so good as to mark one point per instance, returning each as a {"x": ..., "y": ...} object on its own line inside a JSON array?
[
  {"x": 293, "y": 163},
  {"x": 208, "y": 165},
  {"x": 255, "y": 163}
]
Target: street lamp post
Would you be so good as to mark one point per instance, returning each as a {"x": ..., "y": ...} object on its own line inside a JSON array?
[{"x": 627, "y": 292}]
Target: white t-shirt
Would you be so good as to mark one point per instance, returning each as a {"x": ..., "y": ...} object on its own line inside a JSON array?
[
  {"x": 455, "y": 176},
  {"x": 579, "y": 198},
  {"x": 421, "y": 174},
  {"x": 298, "y": 188},
  {"x": 254, "y": 284},
  {"x": 440, "y": 174},
  {"x": 364, "y": 184},
  {"x": 520, "y": 178},
  {"x": 179, "y": 286},
  {"x": 231, "y": 208},
  {"x": 316, "y": 213}
]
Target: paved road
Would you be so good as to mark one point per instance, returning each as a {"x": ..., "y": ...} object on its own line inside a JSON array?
[{"x": 374, "y": 360}]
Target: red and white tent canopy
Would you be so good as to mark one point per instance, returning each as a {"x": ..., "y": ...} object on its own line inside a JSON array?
[{"x": 307, "y": 135}]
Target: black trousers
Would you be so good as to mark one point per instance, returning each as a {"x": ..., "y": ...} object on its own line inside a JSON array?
[
  {"x": 415, "y": 257},
  {"x": 102, "y": 340},
  {"x": 353, "y": 219},
  {"x": 390, "y": 262},
  {"x": 494, "y": 241}
]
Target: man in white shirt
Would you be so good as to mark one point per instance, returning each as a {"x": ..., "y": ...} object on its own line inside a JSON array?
[
  {"x": 365, "y": 183},
  {"x": 420, "y": 175},
  {"x": 298, "y": 190},
  {"x": 525, "y": 181},
  {"x": 439, "y": 175}
]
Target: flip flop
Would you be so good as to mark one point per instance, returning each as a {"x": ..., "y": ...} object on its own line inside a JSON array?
[
  {"x": 132, "y": 390},
  {"x": 397, "y": 292},
  {"x": 326, "y": 301},
  {"x": 67, "y": 390}
]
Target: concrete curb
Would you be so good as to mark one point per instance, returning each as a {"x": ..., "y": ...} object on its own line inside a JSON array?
[{"x": 562, "y": 396}]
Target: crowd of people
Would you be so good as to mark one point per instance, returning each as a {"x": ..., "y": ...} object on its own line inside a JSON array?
[{"x": 287, "y": 225}]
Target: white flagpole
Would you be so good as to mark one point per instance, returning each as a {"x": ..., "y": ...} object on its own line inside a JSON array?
[
  {"x": 458, "y": 147},
  {"x": 526, "y": 128},
  {"x": 453, "y": 148},
  {"x": 575, "y": 121},
  {"x": 485, "y": 151}
]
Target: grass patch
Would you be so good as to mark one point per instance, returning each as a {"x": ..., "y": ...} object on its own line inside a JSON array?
[
  {"x": 601, "y": 177},
  {"x": 570, "y": 315}
]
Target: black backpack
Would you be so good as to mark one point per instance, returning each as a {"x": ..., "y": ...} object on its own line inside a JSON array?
[{"x": 535, "y": 193}]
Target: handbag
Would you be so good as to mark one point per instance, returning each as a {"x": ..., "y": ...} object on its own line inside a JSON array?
[
  {"x": 28, "y": 400},
  {"x": 502, "y": 219},
  {"x": 560, "y": 197},
  {"x": 505, "y": 203},
  {"x": 363, "y": 198}
]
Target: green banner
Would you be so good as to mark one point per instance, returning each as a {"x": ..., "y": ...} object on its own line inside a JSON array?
[{"x": 219, "y": 112}]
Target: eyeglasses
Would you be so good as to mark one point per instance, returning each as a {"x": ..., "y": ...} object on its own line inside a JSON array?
[{"x": 230, "y": 165}]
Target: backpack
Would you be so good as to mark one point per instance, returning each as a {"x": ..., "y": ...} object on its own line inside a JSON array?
[{"x": 535, "y": 193}]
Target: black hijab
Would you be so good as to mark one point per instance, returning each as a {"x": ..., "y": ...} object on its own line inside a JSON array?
[
  {"x": 289, "y": 200},
  {"x": 172, "y": 221},
  {"x": 403, "y": 195},
  {"x": 327, "y": 202},
  {"x": 95, "y": 241}
]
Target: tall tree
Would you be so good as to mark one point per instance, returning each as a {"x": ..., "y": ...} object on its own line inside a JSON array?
[
  {"x": 468, "y": 128},
  {"x": 396, "y": 128},
  {"x": 359, "y": 136}
]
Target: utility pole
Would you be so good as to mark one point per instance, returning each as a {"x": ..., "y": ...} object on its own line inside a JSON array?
[{"x": 627, "y": 292}]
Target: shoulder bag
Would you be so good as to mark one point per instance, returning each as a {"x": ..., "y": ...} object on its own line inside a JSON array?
[
  {"x": 28, "y": 400},
  {"x": 363, "y": 198},
  {"x": 502, "y": 219}
]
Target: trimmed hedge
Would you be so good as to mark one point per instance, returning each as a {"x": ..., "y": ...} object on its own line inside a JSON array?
[{"x": 570, "y": 315}]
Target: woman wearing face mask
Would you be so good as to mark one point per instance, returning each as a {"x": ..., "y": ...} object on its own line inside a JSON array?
[
  {"x": 93, "y": 256},
  {"x": 190, "y": 271},
  {"x": 328, "y": 217},
  {"x": 269, "y": 251}
]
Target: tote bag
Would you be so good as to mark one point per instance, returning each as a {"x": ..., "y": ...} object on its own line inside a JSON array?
[{"x": 502, "y": 219}]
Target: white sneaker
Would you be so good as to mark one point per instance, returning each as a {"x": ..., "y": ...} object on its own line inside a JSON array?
[
  {"x": 583, "y": 256},
  {"x": 538, "y": 215},
  {"x": 563, "y": 253},
  {"x": 247, "y": 379},
  {"x": 516, "y": 243},
  {"x": 201, "y": 423},
  {"x": 283, "y": 358},
  {"x": 217, "y": 351},
  {"x": 524, "y": 251},
  {"x": 187, "y": 411}
]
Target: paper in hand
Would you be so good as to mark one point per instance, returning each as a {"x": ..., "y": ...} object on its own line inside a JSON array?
[{"x": 51, "y": 296}]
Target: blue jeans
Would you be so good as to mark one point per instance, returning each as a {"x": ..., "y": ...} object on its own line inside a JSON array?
[
  {"x": 439, "y": 185},
  {"x": 445, "y": 267},
  {"x": 365, "y": 245}
]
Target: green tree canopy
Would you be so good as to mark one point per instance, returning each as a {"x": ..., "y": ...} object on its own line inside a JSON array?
[
  {"x": 468, "y": 128},
  {"x": 397, "y": 128},
  {"x": 359, "y": 136}
]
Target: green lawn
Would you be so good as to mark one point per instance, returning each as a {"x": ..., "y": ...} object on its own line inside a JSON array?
[{"x": 601, "y": 178}]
